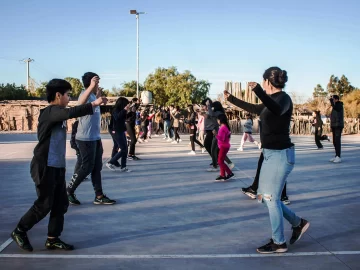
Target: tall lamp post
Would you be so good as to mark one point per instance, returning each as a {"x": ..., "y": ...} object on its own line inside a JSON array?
[{"x": 135, "y": 12}]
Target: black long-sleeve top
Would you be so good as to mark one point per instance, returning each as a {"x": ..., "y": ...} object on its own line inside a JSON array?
[
  {"x": 275, "y": 115},
  {"x": 117, "y": 122},
  {"x": 131, "y": 118}
]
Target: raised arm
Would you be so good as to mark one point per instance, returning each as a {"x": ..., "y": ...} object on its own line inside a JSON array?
[
  {"x": 58, "y": 114},
  {"x": 85, "y": 95},
  {"x": 251, "y": 108},
  {"x": 277, "y": 108}
]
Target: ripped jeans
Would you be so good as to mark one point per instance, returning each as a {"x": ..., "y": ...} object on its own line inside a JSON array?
[{"x": 275, "y": 169}]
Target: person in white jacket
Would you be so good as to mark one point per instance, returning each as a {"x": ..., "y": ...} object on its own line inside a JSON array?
[{"x": 248, "y": 133}]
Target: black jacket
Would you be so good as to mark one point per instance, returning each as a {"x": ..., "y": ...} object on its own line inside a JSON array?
[
  {"x": 49, "y": 118},
  {"x": 275, "y": 115},
  {"x": 337, "y": 114},
  {"x": 117, "y": 121}
]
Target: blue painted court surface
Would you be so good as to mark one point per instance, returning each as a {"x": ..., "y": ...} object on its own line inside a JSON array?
[{"x": 171, "y": 214}]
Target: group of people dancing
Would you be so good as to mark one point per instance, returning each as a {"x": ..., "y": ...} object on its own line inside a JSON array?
[{"x": 276, "y": 161}]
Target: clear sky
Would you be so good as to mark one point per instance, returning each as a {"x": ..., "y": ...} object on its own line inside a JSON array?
[{"x": 216, "y": 40}]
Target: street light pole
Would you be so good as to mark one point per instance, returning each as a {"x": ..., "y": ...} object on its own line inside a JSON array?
[{"x": 137, "y": 49}]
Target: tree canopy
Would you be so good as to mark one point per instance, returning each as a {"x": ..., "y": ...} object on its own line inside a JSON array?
[
  {"x": 76, "y": 85},
  {"x": 13, "y": 92},
  {"x": 169, "y": 86}
]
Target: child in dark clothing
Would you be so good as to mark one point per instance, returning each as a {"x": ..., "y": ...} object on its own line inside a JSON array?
[{"x": 48, "y": 166}]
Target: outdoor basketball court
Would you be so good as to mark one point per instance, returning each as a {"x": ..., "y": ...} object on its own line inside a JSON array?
[{"x": 172, "y": 215}]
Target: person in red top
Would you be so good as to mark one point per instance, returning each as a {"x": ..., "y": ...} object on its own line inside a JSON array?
[{"x": 223, "y": 138}]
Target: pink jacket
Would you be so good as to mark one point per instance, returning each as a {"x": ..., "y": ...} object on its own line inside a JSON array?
[
  {"x": 223, "y": 137},
  {"x": 201, "y": 122}
]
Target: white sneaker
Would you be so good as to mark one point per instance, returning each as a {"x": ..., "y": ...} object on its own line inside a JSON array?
[
  {"x": 180, "y": 140},
  {"x": 231, "y": 166},
  {"x": 140, "y": 140},
  {"x": 164, "y": 138},
  {"x": 203, "y": 150},
  {"x": 173, "y": 142},
  {"x": 337, "y": 160},
  {"x": 111, "y": 166},
  {"x": 125, "y": 170},
  {"x": 156, "y": 135},
  {"x": 169, "y": 140},
  {"x": 333, "y": 159},
  {"x": 192, "y": 153},
  {"x": 240, "y": 149},
  {"x": 146, "y": 141}
]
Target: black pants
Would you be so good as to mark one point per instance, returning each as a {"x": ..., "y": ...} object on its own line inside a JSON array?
[
  {"x": 159, "y": 126},
  {"x": 78, "y": 160},
  {"x": 176, "y": 132},
  {"x": 337, "y": 140},
  {"x": 318, "y": 138},
  {"x": 193, "y": 139},
  {"x": 145, "y": 132},
  {"x": 131, "y": 132},
  {"x": 51, "y": 191},
  {"x": 208, "y": 141},
  {"x": 120, "y": 142},
  {"x": 255, "y": 184},
  {"x": 91, "y": 154}
]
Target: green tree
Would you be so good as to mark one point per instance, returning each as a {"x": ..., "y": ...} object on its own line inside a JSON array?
[
  {"x": 41, "y": 90},
  {"x": 129, "y": 89},
  {"x": 169, "y": 86},
  {"x": 332, "y": 85},
  {"x": 13, "y": 92},
  {"x": 319, "y": 92},
  {"x": 344, "y": 87},
  {"x": 352, "y": 104},
  {"x": 76, "y": 85}
]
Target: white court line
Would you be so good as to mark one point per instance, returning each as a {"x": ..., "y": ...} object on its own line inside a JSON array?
[
  {"x": 6, "y": 243},
  {"x": 177, "y": 256},
  {"x": 8, "y": 154}
]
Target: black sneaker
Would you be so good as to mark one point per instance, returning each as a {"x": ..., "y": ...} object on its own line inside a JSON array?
[
  {"x": 135, "y": 158},
  {"x": 21, "y": 239},
  {"x": 230, "y": 176},
  {"x": 56, "y": 243},
  {"x": 73, "y": 200},
  {"x": 285, "y": 200},
  {"x": 220, "y": 178},
  {"x": 250, "y": 192},
  {"x": 271, "y": 247},
  {"x": 299, "y": 231},
  {"x": 104, "y": 200}
]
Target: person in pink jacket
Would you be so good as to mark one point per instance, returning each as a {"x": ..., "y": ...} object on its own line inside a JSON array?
[{"x": 223, "y": 138}]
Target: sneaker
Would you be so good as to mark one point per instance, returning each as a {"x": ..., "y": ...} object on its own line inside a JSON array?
[
  {"x": 271, "y": 247},
  {"x": 332, "y": 160},
  {"x": 56, "y": 243},
  {"x": 73, "y": 200},
  {"x": 285, "y": 200},
  {"x": 164, "y": 138},
  {"x": 231, "y": 175},
  {"x": 203, "y": 150},
  {"x": 337, "y": 160},
  {"x": 212, "y": 169},
  {"x": 146, "y": 141},
  {"x": 111, "y": 166},
  {"x": 220, "y": 179},
  {"x": 192, "y": 153},
  {"x": 231, "y": 166},
  {"x": 169, "y": 140},
  {"x": 21, "y": 239},
  {"x": 130, "y": 158},
  {"x": 104, "y": 200},
  {"x": 135, "y": 158},
  {"x": 320, "y": 148},
  {"x": 173, "y": 142},
  {"x": 250, "y": 192},
  {"x": 125, "y": 169},
  {"x": 140, "y": 140},
  {"x": 299, "y": 231},
  {"x": 240, "y": 149},
  {"x": 180, "y": 140},
  {"x": 156, "y": 135}
]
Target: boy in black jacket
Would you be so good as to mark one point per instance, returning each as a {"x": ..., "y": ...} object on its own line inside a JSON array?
[{"x": 47, "y": 167}]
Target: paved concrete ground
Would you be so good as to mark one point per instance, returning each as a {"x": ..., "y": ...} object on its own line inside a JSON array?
[{"x": 172, "y": 215}]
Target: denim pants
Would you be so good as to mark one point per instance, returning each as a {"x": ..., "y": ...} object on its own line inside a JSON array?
[
  {"x": 167, "y": 129},
  {"x": 121, "y": 142},
  {"x": 275, "y": 169}
]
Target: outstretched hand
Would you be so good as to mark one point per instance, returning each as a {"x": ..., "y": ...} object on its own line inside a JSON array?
[
  {"x": 226, "y": 94},
  {"x": 99, "y": 101},
  {"x": 252, "y": 85}
]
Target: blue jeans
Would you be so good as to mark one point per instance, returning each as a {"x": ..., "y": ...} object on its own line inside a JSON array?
[
  {"x": 121, "y": 142},
  {"x": 168, "y": 130},
  {"x": 275, "y": 169}
]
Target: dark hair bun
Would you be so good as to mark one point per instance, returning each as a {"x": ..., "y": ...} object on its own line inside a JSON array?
[{"x": 276, "y": 76}]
